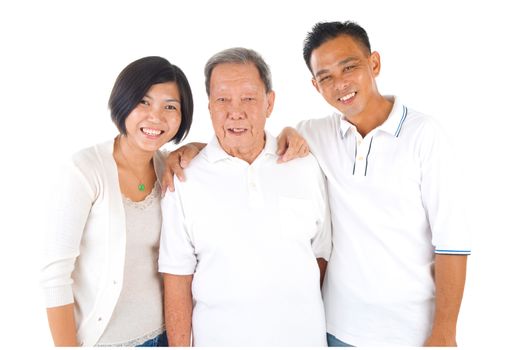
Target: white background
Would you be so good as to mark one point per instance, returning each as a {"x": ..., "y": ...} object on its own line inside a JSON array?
[{"x": 463, "y": 62}]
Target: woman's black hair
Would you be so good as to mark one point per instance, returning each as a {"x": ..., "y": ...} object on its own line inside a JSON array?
[{"x": 134, "y": 82}]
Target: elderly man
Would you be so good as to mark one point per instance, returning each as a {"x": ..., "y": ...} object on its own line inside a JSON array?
[{"x": 244, "y": 239}]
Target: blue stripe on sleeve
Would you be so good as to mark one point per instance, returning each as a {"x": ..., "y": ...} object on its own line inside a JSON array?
[{"x": 447, "y": 251}]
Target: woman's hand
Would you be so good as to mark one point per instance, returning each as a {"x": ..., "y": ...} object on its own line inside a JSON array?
[{"x": 175, "y": 163}]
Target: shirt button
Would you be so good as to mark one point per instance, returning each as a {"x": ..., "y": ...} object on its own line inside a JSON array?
[
  {"x": 115, "y": 282},
  {"x": 100, "y": 319},
  {"x": 360, "y": 158}
]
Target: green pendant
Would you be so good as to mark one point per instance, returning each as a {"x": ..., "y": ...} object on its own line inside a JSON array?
[{"x": 141, "y": 187}]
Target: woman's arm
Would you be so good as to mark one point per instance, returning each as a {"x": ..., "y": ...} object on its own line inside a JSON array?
[
  {"x": 62, "y": 325},
  {"x": 68, "y": 212},
  {"x": 175, "y": 163}
]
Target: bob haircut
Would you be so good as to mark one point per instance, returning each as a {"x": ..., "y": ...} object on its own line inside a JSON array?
[{"x": 134, "y": 82}]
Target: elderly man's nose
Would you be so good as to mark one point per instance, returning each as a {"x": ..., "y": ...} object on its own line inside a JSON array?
[{"x": 236, "y": 111}]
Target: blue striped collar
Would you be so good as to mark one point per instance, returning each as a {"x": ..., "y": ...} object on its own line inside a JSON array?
[{"x": 393, "y": 125}]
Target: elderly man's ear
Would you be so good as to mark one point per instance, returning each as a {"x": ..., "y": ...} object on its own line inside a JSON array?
[{"x": 271, "y": 102}]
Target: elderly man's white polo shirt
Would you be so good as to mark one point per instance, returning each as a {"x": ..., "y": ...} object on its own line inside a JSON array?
[
  {"x": 250, "y": 234},
  {"x": 394, "y": 203}
]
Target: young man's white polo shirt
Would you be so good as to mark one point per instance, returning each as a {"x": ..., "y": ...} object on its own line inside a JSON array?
[
  {"x": 394, "y": 203},
  {"x": 250, "y": 234}
]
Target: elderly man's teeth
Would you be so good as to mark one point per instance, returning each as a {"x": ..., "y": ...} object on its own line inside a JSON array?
[
  {"x": 238, "y": 129},
  {"x": 347, "y": 97},
  {"x": 151, "y": 132}
]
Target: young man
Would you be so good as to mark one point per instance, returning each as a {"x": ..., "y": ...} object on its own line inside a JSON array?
[{"x": 397, "y": 271}]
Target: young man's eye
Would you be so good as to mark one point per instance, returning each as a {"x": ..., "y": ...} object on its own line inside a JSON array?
[
  {"x": 324, "y": 79},
  {"x": 171, "y": 107},
  {"x": 143, "y": 102}
]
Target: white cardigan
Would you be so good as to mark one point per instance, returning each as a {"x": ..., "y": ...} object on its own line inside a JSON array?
[{"x": 86, "y": 240}]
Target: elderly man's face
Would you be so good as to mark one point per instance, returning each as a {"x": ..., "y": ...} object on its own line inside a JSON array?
[{"x": 239, "y": 106}]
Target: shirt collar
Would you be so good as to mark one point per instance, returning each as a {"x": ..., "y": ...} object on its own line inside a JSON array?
[
  {"x": 392, "y": 125},
  {"x": 214, "y": 152},
  {"x": 345, "y": 126},
  {"x": 396, "y": 118}
]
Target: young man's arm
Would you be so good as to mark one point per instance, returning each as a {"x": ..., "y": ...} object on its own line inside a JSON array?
[
  {"x": 450, "y": 278},
  {"x": 291, "y": 145},
  {"x": 178, "y": 308}
]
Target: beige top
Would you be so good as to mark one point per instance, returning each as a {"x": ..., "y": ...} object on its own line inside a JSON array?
[{"x": 138, "y": 315}]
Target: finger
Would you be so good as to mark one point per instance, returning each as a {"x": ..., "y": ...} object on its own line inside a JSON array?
[
  {"x": 186, "y": 158},
  {"x": 290, "y": 153},
  {"x": 178, "y": 172},
  {"x": 167, "y": 182},
  {"x": 284, "y": 156},
  {"x": 305, "y": 150},
  {"x": 281, "y": 146},
  {"x": 173, "y": 169}
]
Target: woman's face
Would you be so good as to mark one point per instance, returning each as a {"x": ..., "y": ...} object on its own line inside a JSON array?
[{"x": 156, "y": 119}]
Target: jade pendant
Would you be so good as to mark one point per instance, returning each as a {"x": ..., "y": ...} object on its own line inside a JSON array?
[{"x": 141, "y": 187}]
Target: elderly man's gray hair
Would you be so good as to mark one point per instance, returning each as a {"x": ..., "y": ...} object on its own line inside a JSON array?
[{"x": 238, "y": 55}]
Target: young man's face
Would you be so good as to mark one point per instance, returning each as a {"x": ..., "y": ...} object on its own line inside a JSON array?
[{"x": 344, "y": 73}]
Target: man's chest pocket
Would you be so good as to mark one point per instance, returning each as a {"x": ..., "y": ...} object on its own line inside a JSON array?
[{"x": 298, "y": 218}]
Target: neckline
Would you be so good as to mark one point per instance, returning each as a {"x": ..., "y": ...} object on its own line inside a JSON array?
[{"x": 147, "y": 201}]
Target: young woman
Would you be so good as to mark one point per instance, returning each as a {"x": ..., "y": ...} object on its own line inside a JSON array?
[{"x": 100, "y": 276}]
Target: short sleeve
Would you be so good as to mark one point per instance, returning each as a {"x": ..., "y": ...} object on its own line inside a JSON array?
[
  {"x": 322, "y": 241},
  {"x": 177, "y": 255},
  {"x": 443, "y": 193}
]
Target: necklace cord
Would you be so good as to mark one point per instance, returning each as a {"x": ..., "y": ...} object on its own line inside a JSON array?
[{"x": 141, "y": 185}]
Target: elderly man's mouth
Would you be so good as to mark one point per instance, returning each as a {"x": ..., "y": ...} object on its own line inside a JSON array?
[{"x": 237, "y": 131}]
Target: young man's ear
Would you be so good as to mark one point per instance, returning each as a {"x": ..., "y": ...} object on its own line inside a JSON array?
[
  {"x": 316, "y": 86},
  {"x": 375, "y": 63}
]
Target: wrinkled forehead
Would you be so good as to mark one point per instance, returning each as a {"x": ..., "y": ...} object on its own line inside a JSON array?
[{"x": 236, "y": 77}]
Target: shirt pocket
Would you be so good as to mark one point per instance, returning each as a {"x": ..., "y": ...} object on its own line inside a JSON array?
[{"x": 297, "y": 218}]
